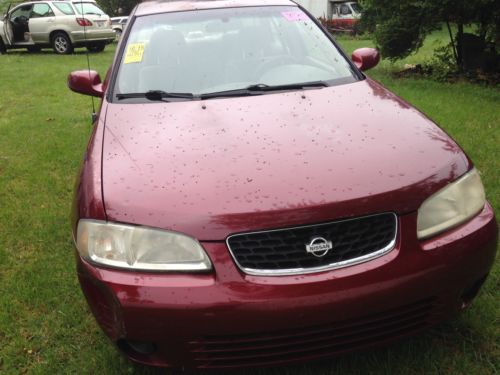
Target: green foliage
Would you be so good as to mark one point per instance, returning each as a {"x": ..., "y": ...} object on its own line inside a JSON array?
[
  {"x": 398, "y": 39},
  {"x": 117, "y": 7},
  {"x": 4, "y": 4},
  {"x": 442, "y": 65},
  {"x": 401, "y": 26}
]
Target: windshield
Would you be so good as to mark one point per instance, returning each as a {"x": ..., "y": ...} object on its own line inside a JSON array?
[
  {"x": 356, "y": 7},
  {"x": 88, "y": 8},
  {"x": 207, "y": 51}
]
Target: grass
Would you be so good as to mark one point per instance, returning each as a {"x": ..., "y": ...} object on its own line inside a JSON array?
[{"x": 45, "y": 325}]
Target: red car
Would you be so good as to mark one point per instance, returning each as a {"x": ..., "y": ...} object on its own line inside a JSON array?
[{"x": 249, "y": 197}]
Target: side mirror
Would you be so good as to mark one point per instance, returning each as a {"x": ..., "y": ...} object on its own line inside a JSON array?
[
  {"x": 365, "y": 58},
  {"x": 86, "y": 82}
]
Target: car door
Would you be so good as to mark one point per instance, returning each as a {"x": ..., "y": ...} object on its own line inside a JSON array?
[
  {"x": 40, "y": 23},
  {"x": 7, "y": 27},
  {"x": 7, "y": 30},
  {"x": 16, "y": 24}
]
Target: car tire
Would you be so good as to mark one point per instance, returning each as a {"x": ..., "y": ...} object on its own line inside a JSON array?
[
  {"x": 3, "y": 49},
  {"x": 61, "y": 44},
  {"x": 34, "y": 49},
  {"x": 118, "y": 34},
  {"x": 97, "y": 47}
]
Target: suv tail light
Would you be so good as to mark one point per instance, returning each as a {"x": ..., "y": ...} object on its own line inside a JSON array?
[{"x": 83, "y": 22}]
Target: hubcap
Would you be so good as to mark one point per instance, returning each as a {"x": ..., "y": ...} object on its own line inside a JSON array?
[{"x": 60, "y": 44}]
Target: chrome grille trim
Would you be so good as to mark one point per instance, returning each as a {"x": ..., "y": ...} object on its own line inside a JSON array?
[{"x": 336, "y": 265}]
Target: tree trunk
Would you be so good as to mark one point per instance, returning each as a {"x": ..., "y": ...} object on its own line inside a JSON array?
[
  {"x": 452, "y": 42},
  {"x": 460, "y": 53}
]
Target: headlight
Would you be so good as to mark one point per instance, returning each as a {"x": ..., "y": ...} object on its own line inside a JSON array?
[
  {"x": 139, "y": 248},
  {"x": 451, "y": 206}
]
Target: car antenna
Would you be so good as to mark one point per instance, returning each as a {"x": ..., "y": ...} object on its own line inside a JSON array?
[{"x": 94, "y": 115}]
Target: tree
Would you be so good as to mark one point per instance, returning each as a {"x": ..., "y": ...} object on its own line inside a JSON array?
[
  {"x": 118, "y": 7},
  {"x": 401, "y": 26}
]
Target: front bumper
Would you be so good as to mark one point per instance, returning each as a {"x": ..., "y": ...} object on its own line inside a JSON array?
[{"x": 228, "y": 319}]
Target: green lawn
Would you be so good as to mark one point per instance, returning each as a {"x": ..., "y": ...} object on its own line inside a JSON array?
[{"x": 45, "y": 325}]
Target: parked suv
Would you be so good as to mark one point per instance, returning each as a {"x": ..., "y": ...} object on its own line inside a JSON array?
[{"x": 62, "y": 25}]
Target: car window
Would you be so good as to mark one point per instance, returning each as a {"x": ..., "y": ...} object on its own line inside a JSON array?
[
  {"x": 224, "y": 49},
  {"x": 41, "y": 10},
  {"x": 66, "y": 8},
  {"x": 88, "y": 8},
  {"x": 23, "y": 11}
]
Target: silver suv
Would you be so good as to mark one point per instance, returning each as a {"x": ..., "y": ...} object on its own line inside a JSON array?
[{"x": 62, "y": 25}]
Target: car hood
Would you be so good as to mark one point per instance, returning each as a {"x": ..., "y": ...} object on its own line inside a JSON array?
[{"x": 216, "y": 167}]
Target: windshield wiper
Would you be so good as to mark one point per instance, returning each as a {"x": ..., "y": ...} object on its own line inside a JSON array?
[
  {"x": 291, "y": 86},
  {"x": 260, "y": 88},
  {"x": 257, "y": 89},
  {"x": 156, "y": 95}
]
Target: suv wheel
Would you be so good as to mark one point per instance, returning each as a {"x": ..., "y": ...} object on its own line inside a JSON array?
[
  {"x": 61, "y": 44},
  {"x": 96, "y": 47}
]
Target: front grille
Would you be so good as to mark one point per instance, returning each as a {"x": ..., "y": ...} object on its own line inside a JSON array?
[
  {"x": 283, "y": 251},
  {"x": 307, "y": 343}
]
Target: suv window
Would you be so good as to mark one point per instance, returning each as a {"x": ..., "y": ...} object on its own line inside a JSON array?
[
  {"x": 24, "y": 11},
  {"x": 41, "y": 10},
  {"x": 88, "y": 8},
  {"x": 66, "y": 8}
]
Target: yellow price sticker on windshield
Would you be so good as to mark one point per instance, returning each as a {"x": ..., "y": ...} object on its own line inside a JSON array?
[{"x": 135, "y": 52}]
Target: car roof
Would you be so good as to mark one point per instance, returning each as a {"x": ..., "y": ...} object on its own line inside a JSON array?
[
  {"x": 55, "y": 1},
  {"x": 165, "y": 6},
  {"x": 15, "y": 4}
]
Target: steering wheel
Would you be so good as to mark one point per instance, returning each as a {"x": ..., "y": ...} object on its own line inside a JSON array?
[{"x": 273, "y": 63}]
